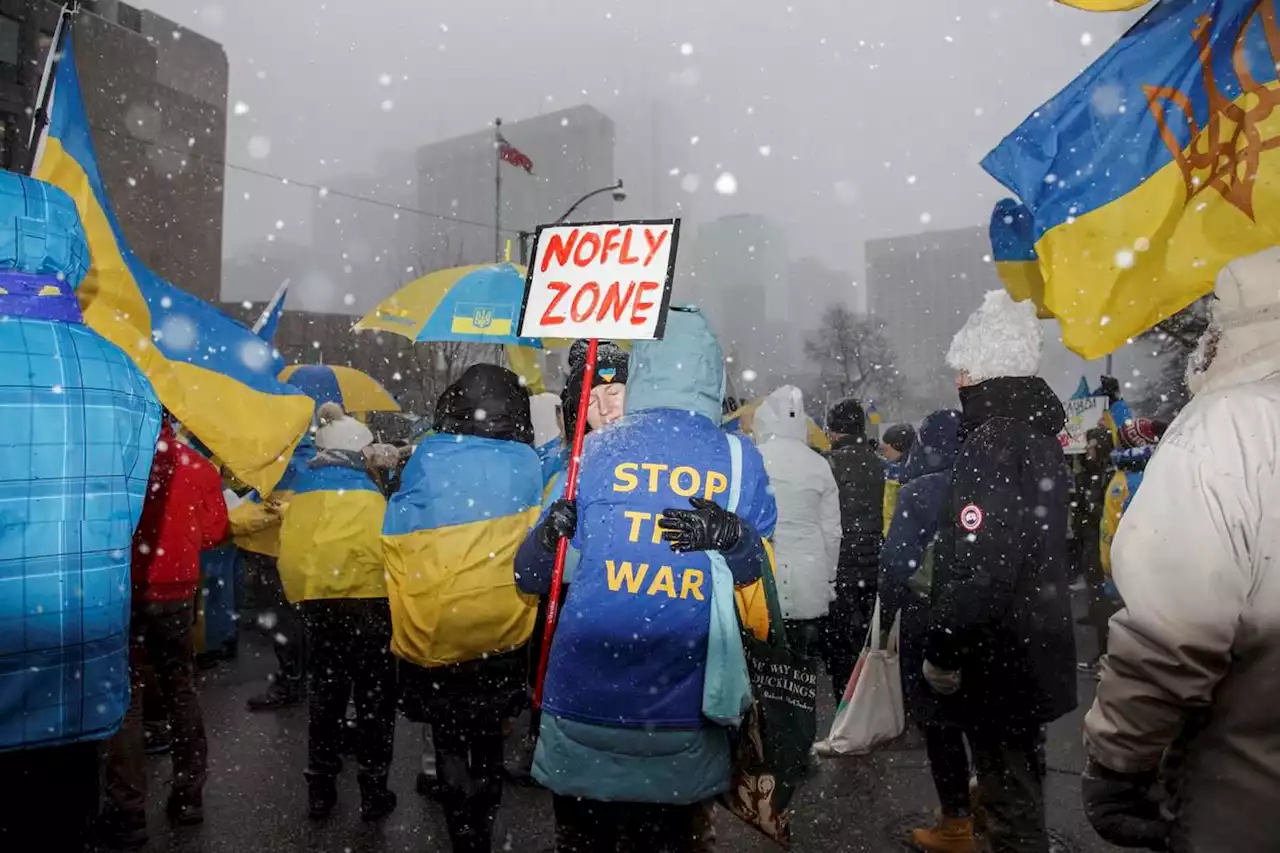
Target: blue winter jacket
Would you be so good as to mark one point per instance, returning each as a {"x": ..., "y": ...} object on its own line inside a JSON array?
[
  {"x": 622, "y": 700},
  {"x": 926, "y": 477},
  {"x": 79, "y": 430}
]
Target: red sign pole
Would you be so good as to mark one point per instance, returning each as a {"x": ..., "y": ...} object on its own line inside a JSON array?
[{"x": 570, "y": 493}]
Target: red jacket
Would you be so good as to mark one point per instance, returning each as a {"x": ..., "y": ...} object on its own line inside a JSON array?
[{"x": 184, "y": 514}]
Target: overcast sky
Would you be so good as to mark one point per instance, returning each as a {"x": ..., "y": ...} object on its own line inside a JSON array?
[{"x": 844, "y": 121}]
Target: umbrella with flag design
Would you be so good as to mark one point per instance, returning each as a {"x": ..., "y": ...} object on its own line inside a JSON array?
[{"x": 354, "y": 390}]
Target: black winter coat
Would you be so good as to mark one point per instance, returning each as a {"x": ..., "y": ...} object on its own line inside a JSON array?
[
  {"x": 860, "y": 479},
  {"x": 1001, "y": 603}
]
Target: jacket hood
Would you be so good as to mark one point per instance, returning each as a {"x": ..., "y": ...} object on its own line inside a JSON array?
[
  {"x": 684, "y": 370},
  {"x": 936, "y": 447},
  {"x": 487, "y": 401},
  {"x": 1026, "y": 399},
  {"x": 546, "y": 427},
  {"x": 1242, "y": 344},
  {"x": 781, "y": 415}
]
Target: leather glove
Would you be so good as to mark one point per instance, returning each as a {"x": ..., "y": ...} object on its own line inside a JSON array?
[
  {"x": 706, "y": 527},
  {"x": 561, "y": 521},
  {"x": 944, "y": 681},
  {"x": 1121, "y": 808}
]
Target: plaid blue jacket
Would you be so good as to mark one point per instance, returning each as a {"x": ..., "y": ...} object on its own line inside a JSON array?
[{"x": 78, "y": 426}]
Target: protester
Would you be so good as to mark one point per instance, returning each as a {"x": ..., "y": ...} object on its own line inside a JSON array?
[
  {"x": 255, "y": 524},
  {"x": 1093, "y": 471},
  {"x": 1000, "y": 642},
  {"x": 860, "y": 478},
  {"x": 1193, "y": 662},
  {"x": 184, "y": 514},
  {"x": 624, "y": 745},
  {"x": 331, "y": 566},
  {"x": 64, "y": 655},
  {"x": 605, "y": 406},
  {"x": 894, "y": 448},
  {"x": 469, "y": 495},
  {"x": 548, "y": 433},
  {"x": 1137, "y": 439},
  {"x": 806, "y": 543},
  {"x": 906, "y": 568}
]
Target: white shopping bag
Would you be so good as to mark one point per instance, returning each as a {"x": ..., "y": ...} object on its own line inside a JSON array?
[{"x": 871, "y": 711}]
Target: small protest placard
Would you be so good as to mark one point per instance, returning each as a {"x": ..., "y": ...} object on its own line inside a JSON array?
[
  {"x": 609, "y": 280},
  {"x": 1083, "y": 414}
]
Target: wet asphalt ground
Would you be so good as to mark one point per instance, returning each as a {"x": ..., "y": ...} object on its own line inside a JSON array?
[{"x": 256, "y": 796}]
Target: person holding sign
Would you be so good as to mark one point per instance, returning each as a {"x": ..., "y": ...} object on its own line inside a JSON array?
[{"x": 624, "y": 745}]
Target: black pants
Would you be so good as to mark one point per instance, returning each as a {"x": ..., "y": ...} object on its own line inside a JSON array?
[
  {"x": 161, "y": 646},
  {"x": 278, "y": 619},
  {"x": 469, "y": 739},
  {"x": 50, "y": 797},
  {"x": 949, "y": 764},
  {"x": 1010, "y": 765},
  {"x": 350, "y": 640},
  {"x": 588, "y": 826},
  {"x": 845, "y": 630}
]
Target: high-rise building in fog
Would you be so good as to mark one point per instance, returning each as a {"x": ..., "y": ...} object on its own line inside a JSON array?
[
  {"x": 572, "y": 154},
  {"x": 736, "y": 270},
  {"x": 156, "y": 96}
]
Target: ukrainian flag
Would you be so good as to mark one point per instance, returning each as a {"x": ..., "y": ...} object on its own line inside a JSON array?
[
  {"x": 1153, "y": 169},
  {"x": 1014, "y": 251},
  {"x": 450, "y": 538},
  {"x": 217, "y": 377}
]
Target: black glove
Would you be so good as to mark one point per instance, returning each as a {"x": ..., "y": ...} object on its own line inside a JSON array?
[
  {"x": 561, "y": 520},
  {"x": 706, "y": 527},
  {"x": 1121, "y": 809},
  {"x": 1110, "y": 387}
]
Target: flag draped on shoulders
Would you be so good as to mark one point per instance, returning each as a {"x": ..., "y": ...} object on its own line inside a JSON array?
[
  {"x": 217, "y": 377},
  {"x": 1153, "y": 169}
]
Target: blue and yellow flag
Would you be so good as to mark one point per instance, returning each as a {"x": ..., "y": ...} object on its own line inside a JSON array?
[
  {"x": 1153, "y": 169},
  {"x": 1013, "y": 248},
  {"x": 217, "y": 377}
]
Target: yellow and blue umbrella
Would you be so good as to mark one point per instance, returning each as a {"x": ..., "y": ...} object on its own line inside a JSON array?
[
  {"x": 352, "y": 389},
  {"x": 477, "y": 304}
]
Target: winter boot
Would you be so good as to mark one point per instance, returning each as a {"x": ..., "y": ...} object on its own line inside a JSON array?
[
  {"x": 376, "y": 802},
  {"x": 118, "y": 830},
  {"x": 322, "y": 794},
  {"x": 185, "y": 808},
  {"x": 951, "y": 835}
]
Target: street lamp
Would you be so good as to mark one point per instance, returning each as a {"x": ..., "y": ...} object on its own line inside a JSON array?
[{"x": 619, "y": 194}]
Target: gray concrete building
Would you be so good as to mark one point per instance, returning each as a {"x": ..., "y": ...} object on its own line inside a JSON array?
[
  {"x": 572, "y": 152},
  {"x": 156, "y": 97}
]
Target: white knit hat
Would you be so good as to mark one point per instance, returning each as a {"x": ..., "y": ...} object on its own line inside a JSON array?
[
  {"x": 340, "y": 431},
  {"x": 1001, "y": 338}
]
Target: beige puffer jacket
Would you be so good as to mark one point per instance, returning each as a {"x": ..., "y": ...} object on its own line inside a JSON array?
[{"x": 1194, "y": 659}]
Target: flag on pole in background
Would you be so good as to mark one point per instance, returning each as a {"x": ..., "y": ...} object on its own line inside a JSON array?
[
  {"x": 1153, "y": 169},
  {"x": 513, "y": 155},
  {"x": 266, "y": 326},
  {"x": 216, "y": 376}
]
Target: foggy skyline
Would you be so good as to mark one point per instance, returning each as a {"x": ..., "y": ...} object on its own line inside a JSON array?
[{"x": 841, "y": 125}]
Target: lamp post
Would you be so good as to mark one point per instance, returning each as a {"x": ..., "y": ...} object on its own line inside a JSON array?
[{"x": 619, "y": 194}]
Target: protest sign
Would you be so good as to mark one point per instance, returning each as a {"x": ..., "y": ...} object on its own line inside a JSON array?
[
  {"x": 594, "y": 280},
  {"x": 608, "y": 280},
  {"x": 1083, "y": 414}
]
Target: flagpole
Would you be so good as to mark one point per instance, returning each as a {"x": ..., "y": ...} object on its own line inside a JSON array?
[
  {"x": 497, "y": 190},
  {"x": 40, "y": 116}
]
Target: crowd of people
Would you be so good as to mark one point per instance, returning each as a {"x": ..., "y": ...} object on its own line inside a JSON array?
[{"x": 415, "y": 581}]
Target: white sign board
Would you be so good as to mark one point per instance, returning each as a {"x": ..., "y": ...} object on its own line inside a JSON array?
[
  {"x": 608, "y": 280},
  {"x": 1082, "y": 415}
]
